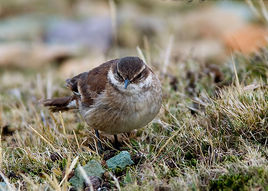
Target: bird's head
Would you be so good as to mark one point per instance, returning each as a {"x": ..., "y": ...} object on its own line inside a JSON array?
[{"x": 130, "y": 74}]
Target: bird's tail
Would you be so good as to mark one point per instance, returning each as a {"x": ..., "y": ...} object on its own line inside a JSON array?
[{"x": 62, "y": 103}]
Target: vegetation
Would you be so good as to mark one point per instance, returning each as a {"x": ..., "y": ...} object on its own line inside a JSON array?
[{"x": 212, "y": 136}]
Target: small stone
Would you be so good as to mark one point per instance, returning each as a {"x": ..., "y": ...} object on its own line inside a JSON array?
[
  {"x": 94, "y": 33},
  {"x": 55, "y": 156},
  {"x": 103, "y": 189},
  {"x": 21, "y": 28},
  {"x": 121, "y": 160},
  {"x": 92, "y": 169},
  {"x": 106, "y": 185},
  {"x": 3, "y": 186},
  {"x": 95, "y": 181}
]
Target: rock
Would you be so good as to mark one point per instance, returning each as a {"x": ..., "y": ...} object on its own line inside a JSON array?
[
  {"x": 24, "y": 55},
  {"x": 103, "y": 189},
  {"x": 14, "y": 54},
  {"x": 45, "y": 53},
  {"x": 93, "y": 169},
  {"x": 234, "y": 7},
  {"x": 121, "y": 160},
  {"x": 92, "y": 33},
  {"x": 22, "y": 28},
  {"x": 3, "y": 186},
  {"x": 95, "y": 181}
]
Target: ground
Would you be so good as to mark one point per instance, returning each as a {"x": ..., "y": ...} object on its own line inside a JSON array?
[{"x": 209, "y": 134}]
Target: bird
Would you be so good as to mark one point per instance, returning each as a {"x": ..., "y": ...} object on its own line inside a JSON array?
[{"x": 118, "y": 96}]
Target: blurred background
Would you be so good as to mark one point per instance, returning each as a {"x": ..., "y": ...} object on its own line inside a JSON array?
[{"x": 72, "y": 36}]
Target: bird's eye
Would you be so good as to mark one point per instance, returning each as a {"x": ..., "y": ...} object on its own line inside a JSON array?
[
  {"x": 119, "y": 75},
  {"x": 138, "y": 76}
]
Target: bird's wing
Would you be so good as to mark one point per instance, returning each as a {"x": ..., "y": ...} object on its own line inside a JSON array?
[
  {"x": 72, "y": 83},
  {"x": 85, "y": 86},
  {"x": 90, "y": 84}
]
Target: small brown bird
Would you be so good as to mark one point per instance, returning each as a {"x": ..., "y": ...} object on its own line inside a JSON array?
[{"x": 116, "y": 97}]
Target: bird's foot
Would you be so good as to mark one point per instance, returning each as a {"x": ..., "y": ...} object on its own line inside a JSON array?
[
  {"x": 99, "y": 145},
  {"x": 116, "y": 143}
]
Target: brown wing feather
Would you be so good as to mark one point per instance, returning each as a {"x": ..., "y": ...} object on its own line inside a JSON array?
[
  {"x": 88, "y": 84},
  {"x": 72, "y": 82},
  {"x": 60, "y": 104},
  {"x": 91, "y": 86}
]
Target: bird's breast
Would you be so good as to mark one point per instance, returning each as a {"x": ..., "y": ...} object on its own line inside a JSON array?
[{"x": 114, "y": 112}]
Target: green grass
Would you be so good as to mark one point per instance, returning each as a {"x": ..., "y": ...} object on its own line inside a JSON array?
[{"x": 241, "y": 180}]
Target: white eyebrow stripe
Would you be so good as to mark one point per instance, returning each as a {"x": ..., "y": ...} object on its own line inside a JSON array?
[
  {"x": 142, "y": 68},
  {"x": 117, "y": 67},
  {"x": 112, "y": 78}
]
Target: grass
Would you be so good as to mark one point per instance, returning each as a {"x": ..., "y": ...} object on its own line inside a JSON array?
[{"x": 211, "y": 133}]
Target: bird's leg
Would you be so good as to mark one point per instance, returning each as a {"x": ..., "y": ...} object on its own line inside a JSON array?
[
  {"x": 116, "y": 142},
  {"x": 99, "y": 142}
]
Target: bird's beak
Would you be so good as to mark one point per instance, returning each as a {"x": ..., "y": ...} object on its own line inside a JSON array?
[{"x": 126, "y": 83}]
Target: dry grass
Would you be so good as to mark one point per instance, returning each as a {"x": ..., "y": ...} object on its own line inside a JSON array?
[{"x": 205, "y": 138}]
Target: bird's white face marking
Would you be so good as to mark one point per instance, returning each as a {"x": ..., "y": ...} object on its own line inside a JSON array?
[{"x": 131, "y": 88}]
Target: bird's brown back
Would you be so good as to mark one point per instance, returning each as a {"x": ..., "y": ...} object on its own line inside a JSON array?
[{"x": 90, "y": 84}]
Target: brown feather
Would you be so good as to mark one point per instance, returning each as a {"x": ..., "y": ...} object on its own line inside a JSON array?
[
  {"x": 72, "y": 83},
  {"x": 59, "y": 104},
  {"x": 95, "y": 83},
  {"x": 103, "y": 102},
  {"x": 88, "y": 84},
  {"x": 129, "y": 66}
]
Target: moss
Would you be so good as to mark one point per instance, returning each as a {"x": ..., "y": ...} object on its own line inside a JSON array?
[
  {"x": 241, "y": 181},
  {"x": 79, "y": 127},
  {"x": 63, "y": 163},
  {"x": 156, "y": 127},
  {"x": 128, "y": 179},
  {"x": 230, "y": 182}
]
